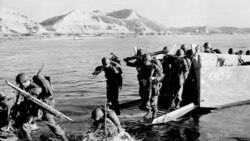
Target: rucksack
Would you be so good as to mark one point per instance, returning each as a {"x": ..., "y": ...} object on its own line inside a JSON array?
[{"x": 45, "y": 83}]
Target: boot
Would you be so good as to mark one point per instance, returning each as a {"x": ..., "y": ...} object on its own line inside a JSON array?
[{"x": 148, "y": 115}]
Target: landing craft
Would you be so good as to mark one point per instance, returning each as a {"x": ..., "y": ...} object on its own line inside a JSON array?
[{"x": 219, "y": 81}]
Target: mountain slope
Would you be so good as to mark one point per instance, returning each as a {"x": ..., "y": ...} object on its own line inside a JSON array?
[
  {"x": 135, "y": 22},
  {"x": 122, "y": 21},
  {"x": 78, "y": 21},
  {"x": 13, "y": 22}
]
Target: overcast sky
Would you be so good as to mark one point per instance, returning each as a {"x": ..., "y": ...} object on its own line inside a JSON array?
[{"x": 174, "y": 13}]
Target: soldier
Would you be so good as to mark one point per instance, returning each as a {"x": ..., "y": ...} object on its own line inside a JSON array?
[
  {"x": 113, "y": 73},
  {"x": 178, "y": 75},
  {"x": 166, "y": 65},
  {"x": 7, "y": 101},
  {"x": 99, "y": 117},
  {"x": 28, "y": 110},
  {"x": 106, "y": 126},
  {"x": 184, "y": 48},
  {"x": 207, "y": 48},
  {"x": 151, "y": 75},
  {"x": 137, "y": 62}
]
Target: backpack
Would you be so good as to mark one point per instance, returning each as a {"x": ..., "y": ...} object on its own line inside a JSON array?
[{"x": 45, "y": 83}]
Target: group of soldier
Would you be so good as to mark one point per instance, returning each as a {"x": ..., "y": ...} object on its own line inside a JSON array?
[
  {"x": 155, "y": 76},
  {"x": 166, "y": 76},
  {"x": 21, "y": 112}
]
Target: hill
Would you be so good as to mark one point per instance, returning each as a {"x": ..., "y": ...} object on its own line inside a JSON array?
[{"x": 12, "y": 22}]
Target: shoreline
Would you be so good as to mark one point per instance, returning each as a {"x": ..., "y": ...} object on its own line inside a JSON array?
[{"x": 9, "y": 38}]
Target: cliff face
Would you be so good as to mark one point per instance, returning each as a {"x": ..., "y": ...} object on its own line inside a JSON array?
[
  {"x": 13, "y": 22},
  {"x": 123, "y": 21}
]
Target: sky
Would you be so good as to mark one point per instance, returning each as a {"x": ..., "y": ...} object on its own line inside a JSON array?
[{"x": 171, "y": 13}]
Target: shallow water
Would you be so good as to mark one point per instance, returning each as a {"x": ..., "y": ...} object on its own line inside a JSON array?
[{"x": 71, "y": 62}]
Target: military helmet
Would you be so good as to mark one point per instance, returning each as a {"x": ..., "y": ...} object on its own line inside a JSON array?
[
  {"x": 105, "y": 61},
  {"x": 184, "y": 47},
  {"x": 179, "y": 52},
  {"x": 97, "y": 114},
  {"x": 140, "y": 52},
  {"x": 21, "y": 77},
  {"x": 146, "y": 57},
  {"x": 165, "y": 49}
]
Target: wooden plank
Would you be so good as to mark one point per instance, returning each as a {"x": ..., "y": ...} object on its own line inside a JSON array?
[{"x": 174, "y": 114}]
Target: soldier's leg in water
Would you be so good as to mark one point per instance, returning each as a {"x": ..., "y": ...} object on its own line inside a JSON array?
[
  {"x": 154, "y": 99},
  {"x": 110, "y": 97},
  {"x": 141, "y": 93},
  {"x": 175, "y": 87},
  {"x": 54, "y": 127},
  {"x": 149, "y": 99},
  {"x": 179, "y": 93},
  {"x": 25, "y": 130},
  {"x": 115, "y": 101}
]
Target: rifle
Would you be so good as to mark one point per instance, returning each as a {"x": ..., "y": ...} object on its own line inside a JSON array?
[
  {"x": 164, "y": 51},
  {"x": 40, "y": 69},
  {"x": 40, "y": 103},
  {"x": 115, "y": 58}
]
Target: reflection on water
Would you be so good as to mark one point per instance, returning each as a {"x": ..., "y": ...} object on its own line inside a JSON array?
[{"x": 71, "y": 62}]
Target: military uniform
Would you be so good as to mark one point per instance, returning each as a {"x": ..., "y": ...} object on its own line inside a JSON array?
[
  {"x": 138, "y": 63},
  {"x": 114, "y": 83},
  {"x": 167, "y": 62},
  {"x": 151, "y": 88},
  {"x": 178, "y": 74},
  {"x": 7, "y": 101},
  {"x": 33, "y": 111}
]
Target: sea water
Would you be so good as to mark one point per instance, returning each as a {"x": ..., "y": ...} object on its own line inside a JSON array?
[{"x": 71, "y": 62}]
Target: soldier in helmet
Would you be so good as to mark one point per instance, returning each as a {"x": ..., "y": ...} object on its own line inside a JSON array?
[
  {"x": 106, "y": 126},
  {"x": 113, "y": 73},
  {"x": 137, "y": 63},
  {"x": 184, "y": 48},
  {"x": 28, "y": 110},
  {"x": 99, "y": 117},
  {"x": 151, "y": 76},
  {"x": 178, "y": 74},
  {"x": 7, "y": 101}
]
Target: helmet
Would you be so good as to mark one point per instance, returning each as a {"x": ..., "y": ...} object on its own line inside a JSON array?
[
  {"x": 21, "y": 77},
  {"x": 146, "y": 57},
  {"x": 184, "y": 47},
  {"x": 206, "y": 45},
  {"x": 139, "y": 52},
  {"x": 165, "y": 49},
  {"x": 97, "y": 114},
  {"x": 179, "y": 53},
  {"x": 105, "y": 61}
]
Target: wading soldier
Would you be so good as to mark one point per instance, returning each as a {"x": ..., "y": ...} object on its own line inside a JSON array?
[
  {"x": 28, "y": 110},
  {"x": 113, "y": 73},
  {"x": 151, "y": 75},
  {"x": 178, "y": 74},
  {"x": 137, "y": 63}
]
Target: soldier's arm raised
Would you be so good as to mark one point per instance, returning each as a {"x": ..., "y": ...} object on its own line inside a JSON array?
[{"x": 98, "y": 70}]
